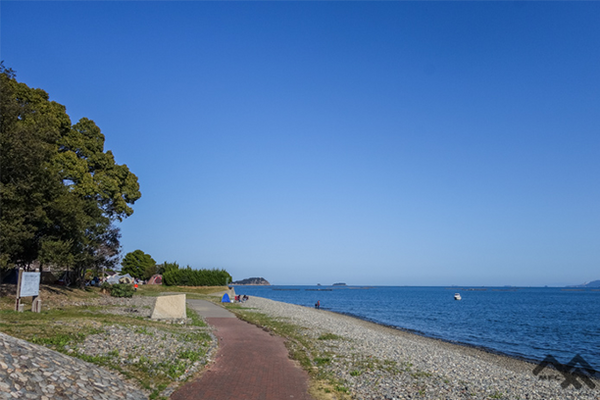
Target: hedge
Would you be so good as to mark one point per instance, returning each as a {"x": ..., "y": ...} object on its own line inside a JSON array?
[{"x": 196, "y": 277}]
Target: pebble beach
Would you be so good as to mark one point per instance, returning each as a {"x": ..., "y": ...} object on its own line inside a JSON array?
[{"x": 378, "y": 362}]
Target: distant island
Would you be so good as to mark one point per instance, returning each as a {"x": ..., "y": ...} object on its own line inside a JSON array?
[
  {"x": 339, "y": 284},
  {"x": 252, "y": 281},
  {"x": 592, "y": 284}
]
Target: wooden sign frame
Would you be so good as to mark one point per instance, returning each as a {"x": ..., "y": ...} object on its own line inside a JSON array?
[{"x": 28, "y": 285}]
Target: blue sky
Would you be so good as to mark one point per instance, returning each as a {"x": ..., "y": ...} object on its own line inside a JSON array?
[{"x": 382, "y": 143}]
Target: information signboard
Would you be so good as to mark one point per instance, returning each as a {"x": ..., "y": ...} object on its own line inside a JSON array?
[{"x": 30, "y": 284}]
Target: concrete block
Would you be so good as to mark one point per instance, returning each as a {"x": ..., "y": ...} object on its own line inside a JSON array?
[{"x": 169, "y": 307}]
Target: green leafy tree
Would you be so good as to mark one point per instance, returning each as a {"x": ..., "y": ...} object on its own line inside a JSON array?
[
  {"x": 30, "y": 126},
  {"x": 167, "y": 266},
  {"x": 92, "y": 174},
  {"x": 137, "y": 263},
  {"x": 61, "y": 192},
  {"x": 150, "y": 271}
]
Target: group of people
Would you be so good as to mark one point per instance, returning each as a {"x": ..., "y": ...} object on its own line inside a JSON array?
[{"x": 241, "y": 298}]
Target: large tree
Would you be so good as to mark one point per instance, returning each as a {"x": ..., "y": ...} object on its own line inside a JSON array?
[
  {"x": 138, "y": 264},
  {"x": 30, "y": 126},
  {"x": 61, "y": 193}
]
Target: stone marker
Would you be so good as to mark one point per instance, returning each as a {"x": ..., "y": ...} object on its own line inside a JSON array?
[{"x": 169, "y": 307}]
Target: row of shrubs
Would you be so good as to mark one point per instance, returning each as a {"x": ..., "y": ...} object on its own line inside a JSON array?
[
  {"x": 176, "y": 277},
  {"x": 196, "y": 277}
]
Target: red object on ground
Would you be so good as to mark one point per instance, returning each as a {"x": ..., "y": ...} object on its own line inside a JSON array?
[{"x": 250, "y": 365}]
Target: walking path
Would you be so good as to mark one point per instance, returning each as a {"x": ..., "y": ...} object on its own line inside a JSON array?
[{"x": 250, "y": 364}]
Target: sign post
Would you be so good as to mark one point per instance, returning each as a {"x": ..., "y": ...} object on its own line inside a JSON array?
[{"x": 28, "y": 285}]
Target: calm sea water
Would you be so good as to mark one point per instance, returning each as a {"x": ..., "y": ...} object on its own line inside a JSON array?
[{"x": 527, "y": 323}]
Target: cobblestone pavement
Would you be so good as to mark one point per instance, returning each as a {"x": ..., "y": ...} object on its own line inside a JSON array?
[{"x": 29, "y": 371}]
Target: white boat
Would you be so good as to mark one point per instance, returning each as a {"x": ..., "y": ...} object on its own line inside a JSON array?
[{"x": 457, "y": 296}]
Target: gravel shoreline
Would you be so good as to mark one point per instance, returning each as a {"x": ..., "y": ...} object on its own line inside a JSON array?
[{"x": 379, "y": 362}]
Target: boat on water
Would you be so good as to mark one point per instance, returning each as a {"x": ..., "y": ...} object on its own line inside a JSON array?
[{"x": 457, "y": 296}]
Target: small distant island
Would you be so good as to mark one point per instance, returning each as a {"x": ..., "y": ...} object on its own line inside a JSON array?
[
  {"x": 592, "y": 284},
  {"x": 252, "y": 281},
  {"x": 339, "y": 284}
]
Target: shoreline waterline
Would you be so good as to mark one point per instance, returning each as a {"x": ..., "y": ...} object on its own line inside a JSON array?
[
  {"x": 418, "y": 333},
  {"x": 376, "y": 361}
]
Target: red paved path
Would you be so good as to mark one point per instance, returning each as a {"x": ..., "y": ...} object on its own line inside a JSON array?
[{"x": 250, "y": 365}]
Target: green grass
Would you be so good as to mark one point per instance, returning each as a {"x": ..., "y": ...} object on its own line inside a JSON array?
[
  {"x": 341, "y": 388},
  {"x": 420, "y": 374},
  {"x": 234, "y": 306},
  {"x": 108, "y": 360},
  {"x": 192, "y": 355},
  {"x": 155, "y": 394},
  {"x": 363, "y": 364},
  {"x": 329, "y": 336},
  {"x": 196, "y": 319},
  {"x": 59, "y": 341},
  {"x": 143, "y": 330},
  {"x": 194, "y": 336},
  {"x": 322, "y": 360}
]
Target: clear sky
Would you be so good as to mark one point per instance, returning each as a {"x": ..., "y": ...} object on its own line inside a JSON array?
[{"x": 380, "y": 143}]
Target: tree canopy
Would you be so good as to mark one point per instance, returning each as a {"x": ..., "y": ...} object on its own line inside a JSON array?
[
  {"x": 138, "y": 264},
  {"x": 61, "y": 192}
]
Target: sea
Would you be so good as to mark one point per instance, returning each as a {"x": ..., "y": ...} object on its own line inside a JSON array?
[{"x": 521, "y": 322}]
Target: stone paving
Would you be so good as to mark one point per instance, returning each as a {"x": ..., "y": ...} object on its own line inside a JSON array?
[{"x": 29, "y": 371}]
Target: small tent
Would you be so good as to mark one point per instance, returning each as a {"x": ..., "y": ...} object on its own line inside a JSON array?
[
  {"x": 120, "y": 279},
  {"x": 155, "y": 280},
  {"x": 225, "y": 298},
  {"x": 128, "y": 279}
]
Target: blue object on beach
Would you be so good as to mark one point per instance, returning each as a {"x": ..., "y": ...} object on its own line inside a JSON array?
[{"x": 225, "y": 298}]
